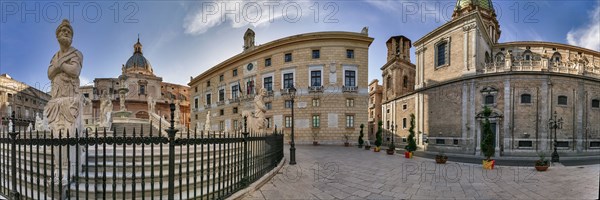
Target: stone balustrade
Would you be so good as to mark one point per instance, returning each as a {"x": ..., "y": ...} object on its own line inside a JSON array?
[{"x": 543, "y": 65}]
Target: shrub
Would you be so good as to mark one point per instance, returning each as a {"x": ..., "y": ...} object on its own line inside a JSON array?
[
  {"x": 487, "y": 145},
  {"x": 360, "y": 137},
  {"x": 378, "y": 137},
  {"x": 412, "y": 144}
]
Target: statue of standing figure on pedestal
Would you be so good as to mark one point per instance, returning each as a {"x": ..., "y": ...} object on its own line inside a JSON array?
[
  {"x": 207, "y": 123},
  {"x": 508, "y": 61},
  {"x": 151, "y": 105},
  {"x": 63, "y": 111},
  {"x": 106, "y": 108},
  {"x": 256, "y": 119}
]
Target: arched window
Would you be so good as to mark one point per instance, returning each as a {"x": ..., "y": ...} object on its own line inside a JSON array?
[
  {"x": 489, "y": 99},
  {"x": 527, "y": 55},
  {"x": 562, "y": 100},
  {"x": 499, "y": 57},
  {"x": 388, "y": 82},
  {"x": 487, "y": 57},
  {"x": 595, "y": 103},
  {"x": 556, "y": 57},
  {"x": 405, "y": 81},
  {"x": 525, "y": 98}
]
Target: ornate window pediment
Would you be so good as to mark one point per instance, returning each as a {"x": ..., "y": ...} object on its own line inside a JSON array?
[{"x": 489, "y": 96}]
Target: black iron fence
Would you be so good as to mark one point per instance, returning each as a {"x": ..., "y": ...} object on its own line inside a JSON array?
[{"x": 140, "y": 165}]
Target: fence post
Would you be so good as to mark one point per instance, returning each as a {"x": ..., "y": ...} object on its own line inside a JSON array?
[
  {"x": 14, "y": 194},
  {"x": 245, "y": 133},
  {"x": 171, "y": 132}
]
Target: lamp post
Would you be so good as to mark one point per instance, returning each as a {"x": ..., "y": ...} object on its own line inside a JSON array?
[
  {"x": 555, "y": 124},
  {"x": 292, "y": 93},
  {"x": 394, "y": 134}
]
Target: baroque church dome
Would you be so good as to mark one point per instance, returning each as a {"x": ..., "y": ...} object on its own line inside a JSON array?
[{"x": 137, "y": 63}]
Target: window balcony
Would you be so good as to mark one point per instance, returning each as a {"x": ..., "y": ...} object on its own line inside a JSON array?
[
  {"x": 220, "y": 103},
  {"x": 234, "y": 100},
  {"x": 350, "y": 89},
  {"x": 315, "y": 89},
  {"x": 207, "y": 106}
]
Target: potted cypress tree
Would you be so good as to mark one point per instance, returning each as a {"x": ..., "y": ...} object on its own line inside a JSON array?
[
  {"x": 487, "y": 146},
  {"x": 391, "y": 149},
  {"x": 412, "y": 144},
  {"x": 378, "y": 137},
  {"x": 360, "y": 136}
]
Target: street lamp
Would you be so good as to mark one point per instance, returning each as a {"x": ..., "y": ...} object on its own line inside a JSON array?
[
  {"x": 555, "y": 124},
  {"x": 292, "y": 93}
]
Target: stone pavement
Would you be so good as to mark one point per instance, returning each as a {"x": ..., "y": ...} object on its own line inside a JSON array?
[{"x": 337, "y": 172}]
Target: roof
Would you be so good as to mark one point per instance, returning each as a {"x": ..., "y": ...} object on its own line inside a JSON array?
[{"x": 485, "y": 4}]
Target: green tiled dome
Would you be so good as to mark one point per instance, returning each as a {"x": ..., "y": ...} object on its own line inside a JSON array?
[{"x": 485, "y": 4}]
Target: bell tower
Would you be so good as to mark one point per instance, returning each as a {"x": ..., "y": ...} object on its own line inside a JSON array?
[{"x": 485, "y": 8}]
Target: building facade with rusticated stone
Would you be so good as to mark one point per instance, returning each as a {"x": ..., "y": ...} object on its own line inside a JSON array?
[
  {"x": 461, "y": 68},
  {"x": 328, "y": 69}
]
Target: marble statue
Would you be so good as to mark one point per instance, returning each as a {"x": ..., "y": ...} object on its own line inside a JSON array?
[
  {"x": 10, "y": 126},
  {"x": 207, "y": 123},
  {"x": 177, "y": 113},
  {"x": 29, "y": 127},
  {"x": 151, "y": 105},
  {"x": 365, "y": 31},
  {"x": 63, "y": 111},
  {"x": 122, "y": 101},
  {"x": 38, "y": 123},
  {"x": 106, "y": 108},
  {"x": 256, "y": 120},
  {"x": 508, "y": 60}
]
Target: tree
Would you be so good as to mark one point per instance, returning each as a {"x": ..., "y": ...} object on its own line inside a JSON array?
[
  {"x": 487, "y": 145},
  {"x": 360, "y": 137},
  {"x": 378, "y": 138},
  {"x": 412, "y": 144}
]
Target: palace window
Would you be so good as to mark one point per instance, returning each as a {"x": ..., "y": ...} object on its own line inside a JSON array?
[
  {"x": 288, "y": 103},
  {"x": 235, "y": 110},
  {"x": 222, "y": 95},
  {"x": 316, "y": 121},
  {"x": 525, "y": 98},
  {"x": 222, "y": 112},
  {"x": 234, "y": 72},
  {"x": 316, "y": 54},
  {"x": 221, "y": 126},
  {"x": 268, "y": 119},
  {"x": 268, "y": 83},
  {"x": 196, "y": 102},
  {"x": 405, "y": 81},
  {"x": 288, "y": 80},
  {"x": 250, "y": 87},
  {"x": 315, "y": 78},
  {"x": 388, "y": 83},
  {"x": 404, "y": 107},
  {"x": 404, "y": 123},
  {"x": 208, "y": 98},
  {"x": 349, "y": 102},
  {"x": 527, "y": 55},
  {"x": 221, "y": 78},
  {"x": 595, "y": 103},
  {"x": 234, "y": 91},
  {"x": 350, "y": 78},
  {"x": 489, "y": 99},
  {"x": 235, "y": 124},
  {"x": 441, "y": 54},
  {"x": 349, "y": 53},
  {"x": 142, "y": 89},
  {"x": 562, "y": 100},
  {"x": 288, "y": 121},
  {"x": 267, "y": 62},
  {"x": 316, "y": 102},
  {"x": 269, "y": 105},
  {"x": 287, "y": 57},
  {"x": 349, "y": 121},
  {"x": 207, "y": 83}
]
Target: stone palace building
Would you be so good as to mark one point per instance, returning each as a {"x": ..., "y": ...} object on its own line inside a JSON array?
[
  {"x": 328, "y": 69},
  {"x": 26, "y": 101},
  {"x": 460, "y": 67}
]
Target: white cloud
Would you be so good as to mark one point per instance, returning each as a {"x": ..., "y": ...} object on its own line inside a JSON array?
[
  {"x": 587, "y": 36},
  {"x": 238, "y": 14},
  {"x": 83, "y": 81}
]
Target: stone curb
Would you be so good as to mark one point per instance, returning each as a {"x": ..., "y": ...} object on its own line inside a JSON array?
[{"x": 257, "y": 184}]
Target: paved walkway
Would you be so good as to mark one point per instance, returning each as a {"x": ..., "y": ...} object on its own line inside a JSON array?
[{"x": 336, "y": 172}]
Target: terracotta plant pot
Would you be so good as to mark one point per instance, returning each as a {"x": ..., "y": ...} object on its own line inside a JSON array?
[
  {"x": 408, "y": 154},
  {"x": 390, "y": 151},
  {"x": 315, "y": 143},
  {"x": 367, "y": 147},
  {"x": 488, "y": 164},
  {"x": 377, "y": 149},
  {"x": 346, "y": 144},
  {"x": 441, "y": 159},
  {"x": 541, "y": 168}
]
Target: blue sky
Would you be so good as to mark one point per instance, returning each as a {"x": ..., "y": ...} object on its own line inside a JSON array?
[{"x": 183, "y": 39}]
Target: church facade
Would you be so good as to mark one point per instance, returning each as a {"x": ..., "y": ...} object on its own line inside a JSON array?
[
  {"x": 141, "y": 85},
  {"x": 328, "y": 69},
  {"x": 460, "y": 68}
]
